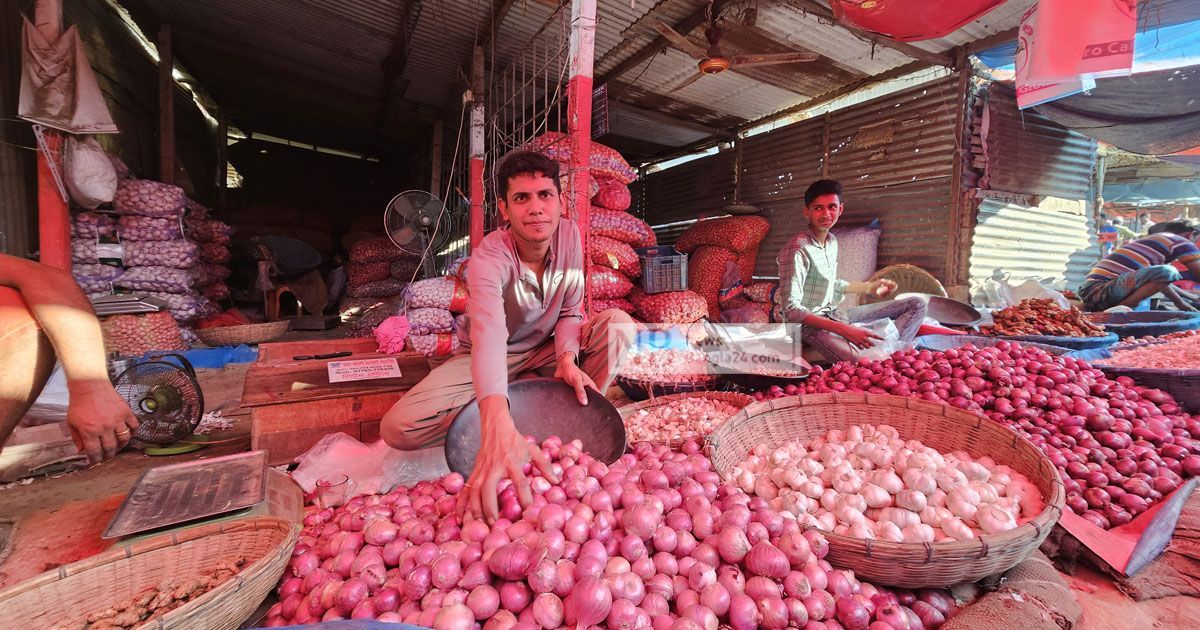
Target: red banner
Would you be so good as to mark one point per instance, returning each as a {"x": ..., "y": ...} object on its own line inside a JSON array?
[{"x": 910, "y": 20}]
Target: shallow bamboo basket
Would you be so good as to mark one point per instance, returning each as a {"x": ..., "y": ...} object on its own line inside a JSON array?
[
  {"x": 64, "y": 597},
  {"x": 944, "y": 428}
]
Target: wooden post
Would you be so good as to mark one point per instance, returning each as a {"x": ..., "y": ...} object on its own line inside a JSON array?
[
  {"x": 477, "y": 147},
  {"x": 54, "y": 221},
  {"x": 166, "y": 106},
  {"x": 222, "y": 156},
  {"x": 962, "y": 210},
  {"x": 435, "y": 172},
  {"x": 579, "y": 119}
]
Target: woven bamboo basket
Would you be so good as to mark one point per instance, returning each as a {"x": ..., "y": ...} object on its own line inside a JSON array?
[
  {"x": 908, "y": 279},
  {"x": 249, "y": 334},
  {"x": 734, "y": 398},
  {"x": 1146, "y": 324},
  {"x": 638, "y": 389},
  {"x": 947, "y": 429},
  {"x": 64, "y": 597}
]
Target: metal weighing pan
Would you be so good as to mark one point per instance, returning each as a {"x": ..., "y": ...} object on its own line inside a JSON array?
[
  {"x": 948, "y": 311},
  {"x": 177, "y": 493},
  {"x": 543, "y": 407}
]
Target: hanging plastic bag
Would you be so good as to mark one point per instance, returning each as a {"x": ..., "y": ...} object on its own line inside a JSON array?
[
  {"x": 1000, "y": 293},
  {"x": 888, "y": 343},
  {"x": 90, "y": 176}
]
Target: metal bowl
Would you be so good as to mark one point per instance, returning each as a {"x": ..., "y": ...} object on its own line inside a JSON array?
[
  {"x": 732, "y": 366},
  {"x": 946, "y": 310},
  {"x": 542, "y": 407}
]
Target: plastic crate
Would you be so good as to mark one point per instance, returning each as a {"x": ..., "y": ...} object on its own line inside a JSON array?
[{"x": 663, "y": 269}]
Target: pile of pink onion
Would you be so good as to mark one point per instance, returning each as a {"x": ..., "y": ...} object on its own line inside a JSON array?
[
  {"x": 1178, "y": 353},
  {"x": 655, "y": 540},
  {"x": 1119, "y": 447}
]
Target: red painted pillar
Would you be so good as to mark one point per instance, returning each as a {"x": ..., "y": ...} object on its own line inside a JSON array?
[
  {"x": 477, "y": 148},
  {"x": 579, "y": 119},
  {"x": 54, "y": 222}
]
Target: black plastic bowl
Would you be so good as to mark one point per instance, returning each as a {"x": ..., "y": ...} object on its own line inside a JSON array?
[
  {"x": 735, "y": 368},
  {"x": 542, "y": 407}
]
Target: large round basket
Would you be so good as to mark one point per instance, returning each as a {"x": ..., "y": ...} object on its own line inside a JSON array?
[
  {"x": 1146, "y": 324},
  {"x": 1070, "y": 343},
  {"x": 947, "y": 429},
  {"x": 1182, "y": 384},
  {"x": 249, "y": 334},
  {"x": 908, "y": 279},
  {"x": 946, "y": 342},
  {"x": 64, "y": 597},
  {"x": 736, "y": 399}
]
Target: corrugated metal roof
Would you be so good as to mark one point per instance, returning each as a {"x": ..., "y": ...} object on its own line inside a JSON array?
[
  {"x": 796, "y": 26},
  {"x": 1002, "y": 18},
  {"x": 1032, "y": 242}
]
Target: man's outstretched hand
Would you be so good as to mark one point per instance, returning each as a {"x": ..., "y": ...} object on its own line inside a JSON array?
[
  {"x": 100, "y": 420},
  {"x": 503, "y": 452},
  {"x": 573, "y": 376}
]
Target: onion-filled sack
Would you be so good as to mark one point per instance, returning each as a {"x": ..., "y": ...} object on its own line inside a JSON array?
[
  {"x": 214, "y": 253},
  {"x": 674, "y": 307},
  {"x": 746, "y": 262},
  {"x": 613, "y": 254},
  {"x": 622, "y": 226},
  {"x": 185, "y": 307},
  {"x": 358, "y": 274},
  {"x": 761, "y": 291},
  {"x": 135, "y": 335},
  {"x": 858, "y": 252},
  {"x": 381, "y": 288},
  {"x": 181, "y": 254},
  {"x": 376, "y": 249},
  {"x": 608, "y": 284},
  {"x": 154, "y": 278},
  {"x": 208, "y": 231},
  {"x": 208, "y": 274},
  {"x": 148, "y": 198},
  {"x": 612, "y": 195},
  {"x": 90, "y": 251},
  {"x": 92, "y": 225},
  {"x": 133, "y": 227},
  {"x": 406, "y": 269},
  {"x": 621, "y": 304},
  {"x": 752, "y": 314},
  {"x": 458, "y": 268},
  {"x": 195, "y": 209},
  {"x": 429, "y": 321},
  {"x": 96, "y": 279},
  {"x": 603, "y": 161},
  {"x": 216, "y": 291},
  {"x": 446, "y": 293},
  {"x": 438, "y": 345},
  {"x": 738, "y": 233},
  {"x": 706, "y": 269}
]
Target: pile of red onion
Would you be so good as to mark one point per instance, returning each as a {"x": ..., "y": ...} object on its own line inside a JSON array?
[
  {"x": 655, "y": 540},
  {"x": 1118, "y": 447}
]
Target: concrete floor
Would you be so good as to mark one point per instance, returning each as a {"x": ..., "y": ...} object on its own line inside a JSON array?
[{"x": 59, "y": 520}]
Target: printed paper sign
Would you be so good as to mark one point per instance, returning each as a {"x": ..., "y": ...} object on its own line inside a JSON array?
[{"x": 363, "y": 369}]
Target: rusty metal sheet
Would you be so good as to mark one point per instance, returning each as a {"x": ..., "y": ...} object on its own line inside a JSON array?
[
  {"x": 697, "y": 188},
  {"x": 1028, "y": 153}
]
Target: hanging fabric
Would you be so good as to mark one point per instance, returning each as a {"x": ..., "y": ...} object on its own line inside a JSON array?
[
  {"x": 910, "y": 20},
  {"x": 58, "y": 88}
]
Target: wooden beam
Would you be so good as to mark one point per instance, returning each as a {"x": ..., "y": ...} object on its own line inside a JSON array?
[
  {"x": 166, "y": 106},
  {"x": 393, "y": 65},
  {"x": 849, "y": 88},
  {"x": 659, "y": 44},
  {"x": 814, "y": 7}
]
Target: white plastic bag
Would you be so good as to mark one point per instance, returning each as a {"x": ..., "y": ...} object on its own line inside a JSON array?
[
  {"x": 888, "y": 343},
  {"x": 1000, "y": 293},
  {"x": 89, "y": 174},
  {"x": 373, "y": 468}
]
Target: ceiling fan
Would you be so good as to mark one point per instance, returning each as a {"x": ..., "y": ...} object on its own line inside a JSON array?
[{"x": 712, "y": 60}]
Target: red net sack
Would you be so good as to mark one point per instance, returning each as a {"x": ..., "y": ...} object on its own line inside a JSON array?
[
  {"x": 208, "y": 274},
  {"x": 380, "y": 288},
  {"x": 612, "y": 195},
  {"x": 746, "y": 261},
  {"x": 438, "y": 345},
  {"x": 608, "y": 284},
  {"x": 405, "y": 269},
  {"x": 135, "y": 335},
  {"x": 621, "y": 304},
  {"x": 613, "y": 254},
  {"x": 604, "y": 161},
  {"x": 214, "y": 253},
  {"x": 621, "y": 226},
  {"x": 358, "y": 274},
  {"x": 376, "y": 249},
  {"x": 675, "y": 307},
  {"x": 735, "y": 233},
  {"x": 761, "y": 291},
  {"x": 216, "y": 291},
  {"x": 706, "y": 269}
]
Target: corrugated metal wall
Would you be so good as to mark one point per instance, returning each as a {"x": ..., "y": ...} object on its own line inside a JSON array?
[
  {"x": 18, "y": 211},
  {"x": 1026, "y": 152},
  {"x": 894, "y": 155},
  {"x": 700, "y": 188},
  {"x": 1054, "y": 241}
]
